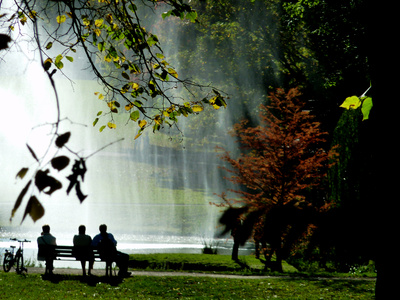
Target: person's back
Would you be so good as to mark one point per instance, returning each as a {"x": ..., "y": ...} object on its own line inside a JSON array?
[
  {"x": 106, "y": 244},
  {"x": 107, "y": 248},
  {"x": 82, "y": 249},
  {"x": 46, "y": 243}
]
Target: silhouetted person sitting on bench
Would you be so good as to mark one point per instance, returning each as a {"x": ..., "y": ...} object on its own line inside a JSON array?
[
  {"x": 46, "y": 243},
  {"x": 106, "y": 244},
  {"x": 83, "y": 249}
]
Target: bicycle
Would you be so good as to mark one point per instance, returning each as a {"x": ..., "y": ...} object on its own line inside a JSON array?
[{"x": 10, "y": 259}]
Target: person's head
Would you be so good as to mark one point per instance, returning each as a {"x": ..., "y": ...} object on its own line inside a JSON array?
[
  {"x": 82, "y": 229},
  {"x": 46, "y": 228},
  {"x": 103, "y": 228}
]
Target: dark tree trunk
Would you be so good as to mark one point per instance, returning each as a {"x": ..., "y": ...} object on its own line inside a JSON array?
[{"x": 384, "y": 57}]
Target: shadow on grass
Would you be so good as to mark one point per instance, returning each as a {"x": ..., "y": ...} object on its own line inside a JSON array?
[{"x": 89, "y": 280}]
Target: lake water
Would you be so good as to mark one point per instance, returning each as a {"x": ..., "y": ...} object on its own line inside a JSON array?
[{"x": 130, "y": 244}]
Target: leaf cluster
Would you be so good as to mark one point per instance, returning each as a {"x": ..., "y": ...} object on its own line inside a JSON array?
[
  {"x": 282, "y": 157},
  {"x": 281, "y": 161},
  {"x": 126, "y": 58},
  {"x": 44, "y": 181}
]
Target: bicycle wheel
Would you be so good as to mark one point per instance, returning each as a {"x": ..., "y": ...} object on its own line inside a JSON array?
[
  {"x": 20, "y": 264},
  {"x": 7, "y": 262}
]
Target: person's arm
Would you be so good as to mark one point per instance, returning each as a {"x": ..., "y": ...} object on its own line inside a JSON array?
[
  {"x": 111, "y": 237},
  {"x": 96, "y": 240}
]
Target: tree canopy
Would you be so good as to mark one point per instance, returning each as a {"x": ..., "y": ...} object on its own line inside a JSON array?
[{"x": 282, "y": 161}]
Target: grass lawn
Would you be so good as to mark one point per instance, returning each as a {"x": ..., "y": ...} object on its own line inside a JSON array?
[
  {"x": 32, "y": 286},
  {"x": 294, "y": 286}
]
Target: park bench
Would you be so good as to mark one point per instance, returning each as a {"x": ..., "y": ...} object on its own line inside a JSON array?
[{"x": 67, "y": 253}]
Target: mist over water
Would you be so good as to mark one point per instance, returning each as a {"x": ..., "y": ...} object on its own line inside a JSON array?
[{"x": 149, "y": 190}]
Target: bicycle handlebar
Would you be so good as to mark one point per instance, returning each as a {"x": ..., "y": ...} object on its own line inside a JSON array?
[{"x": 21, "y": 241}]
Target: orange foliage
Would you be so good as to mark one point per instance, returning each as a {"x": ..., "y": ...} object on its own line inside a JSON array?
[{"x": 282, "y": 157}]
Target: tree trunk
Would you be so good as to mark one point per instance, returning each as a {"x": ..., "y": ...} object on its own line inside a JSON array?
[{"x": 381, "y": 21}]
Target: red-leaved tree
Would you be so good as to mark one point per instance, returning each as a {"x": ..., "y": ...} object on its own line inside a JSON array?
[{"x": 281, "y": 162}]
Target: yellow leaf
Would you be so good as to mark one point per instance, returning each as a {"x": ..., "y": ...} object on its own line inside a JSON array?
[
  {"x": 171, "y": 108},
  {"x": 101, "y": 96},
  {"x": 109, "y": 18},
  {"x": 97, "y": 31},
  {"x": 139, "y": 134},
  {"x": 173, "y": 72},
  {"x": 86, "y": 21},
  {"x": 135, "y": 86},
  {"x": 142, "y": 123},
  {"x": 98, "y": 22},
  {"x": 352, "y": 102},
  {"x": 108, "y": 58},
  {"x": 197, "y": 108},
  {"x": 158, "y": 119},
  {"x": 129, "y": 106},
  {"x": 61, "y": 19},
  {"x": 111, "y": 125}
]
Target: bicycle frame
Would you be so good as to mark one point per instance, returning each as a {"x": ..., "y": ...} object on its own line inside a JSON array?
[{"x": 10, "y": 259}]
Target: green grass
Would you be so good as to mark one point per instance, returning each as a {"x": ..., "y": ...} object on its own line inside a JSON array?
[
  {"x": 32, "y": 286},
  {"x": 200, "y": 262},
  {"x": 248, "y": 265}
]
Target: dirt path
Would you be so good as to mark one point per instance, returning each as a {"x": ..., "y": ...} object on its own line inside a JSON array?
[{"x": 101, "y": 272}]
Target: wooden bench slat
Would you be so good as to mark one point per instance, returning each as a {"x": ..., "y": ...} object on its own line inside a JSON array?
[{"x": 62, "y": 252}]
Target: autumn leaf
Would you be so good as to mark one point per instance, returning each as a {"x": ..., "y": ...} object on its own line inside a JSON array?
[
  {"x": 129, "y": 106},
  {"x": 61, "y": 19},
  {"x": 142, "y": 123},
  {"x": 197, "y": 108},
  {"x": 98, "y": 22},
  {"x": 111, "y": 125},
  {"x": 34, "y": 208},
  {"x": 351, "y": 102}
]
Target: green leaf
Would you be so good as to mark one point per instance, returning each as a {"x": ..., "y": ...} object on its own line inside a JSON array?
[
  {"x": 95, "y": 121},
  {"x": 102, "y": 128},
  {"x": 192, "y": 16},
  {"x": 135, "y": 115},
  {"x": 70, "y": 58},
  {"x": 49, "y": 45},
  {"x": 101, "y": 46},
  {"x": 58, "y": 63},
  {"x": 152, "y": 40},
  {"x": 366, "y": 107}
]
